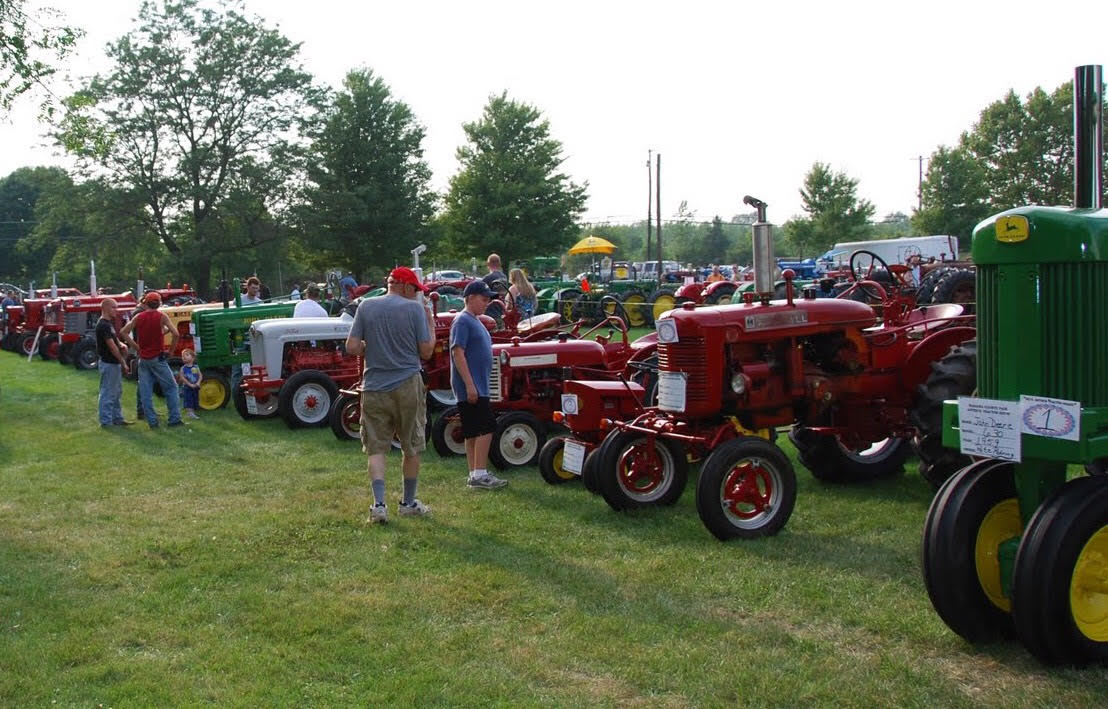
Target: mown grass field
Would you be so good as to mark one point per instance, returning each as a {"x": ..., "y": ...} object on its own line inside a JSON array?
[{"x": 231, "y": 563}]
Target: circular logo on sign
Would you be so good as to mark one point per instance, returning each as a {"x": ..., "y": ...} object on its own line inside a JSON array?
[{"x": 1049, "y": 420}]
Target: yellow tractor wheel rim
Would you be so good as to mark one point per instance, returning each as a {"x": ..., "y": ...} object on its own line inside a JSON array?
[
  {"x": 1089, "y": 588},
  {"x": 662, "y": 303},
  {"x": 1000, "y": 524},
  {"x": 559, "y": 470},
  {"x": 212, "y": 394},
  {"x": 633, "y": 305}
]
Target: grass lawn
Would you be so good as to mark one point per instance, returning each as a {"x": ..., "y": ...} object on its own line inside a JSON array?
[{"x": 231, "y": 562}]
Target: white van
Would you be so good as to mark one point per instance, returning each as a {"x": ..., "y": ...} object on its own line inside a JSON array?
[{"x": 928, "y": 248}]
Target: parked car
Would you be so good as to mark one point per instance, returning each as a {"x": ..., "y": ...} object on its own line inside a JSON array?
[{"x": 445, "y": 276}]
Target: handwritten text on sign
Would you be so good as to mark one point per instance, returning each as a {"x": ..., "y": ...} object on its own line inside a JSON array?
[{"x": 990, "y": 428}]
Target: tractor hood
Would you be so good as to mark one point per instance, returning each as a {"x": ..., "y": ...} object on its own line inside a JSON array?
[
  {"x": 802, "y": 317},
  {"x": 550, "y": 353},
  {"x": 268, "y": 337}
]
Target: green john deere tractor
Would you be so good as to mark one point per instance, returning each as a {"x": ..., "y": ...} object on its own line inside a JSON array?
[{"x": 1016, "y": 542}]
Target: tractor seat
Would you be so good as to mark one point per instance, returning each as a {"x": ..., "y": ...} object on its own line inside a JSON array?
[
  {"x": 936, "y": 314},
  {"x": 536, "y": 323}
]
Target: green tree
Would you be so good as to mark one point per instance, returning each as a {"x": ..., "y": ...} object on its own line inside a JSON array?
[
  {"x": 509, "y": 196},
  {"x": 30, "y": 44},
  {"x": 955, "y": 194},
  {"x": 20, "y": 193},
  {"x": 716, "y": 244},
  {"x": 835, "y": 213},
  {"x": 199, "y": 100},
  {"x": 371, "y": 198}
]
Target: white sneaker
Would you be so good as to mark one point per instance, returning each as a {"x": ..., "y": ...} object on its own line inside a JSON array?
[
  {"x": 192, "y": 415},
  {"x": 487, "y": 481},
  {"x": 378, "y": 514},
  {"x": 416, "y": 509}
]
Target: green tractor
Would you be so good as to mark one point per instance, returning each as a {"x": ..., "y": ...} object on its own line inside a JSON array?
[{"x": 1016, "y": 542}]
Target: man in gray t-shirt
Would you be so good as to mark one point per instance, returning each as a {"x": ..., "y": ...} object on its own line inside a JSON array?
[{"x": 393, "y": 332}]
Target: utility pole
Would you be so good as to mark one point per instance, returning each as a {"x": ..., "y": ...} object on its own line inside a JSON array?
[
  {"x": 919, "y": 192},
  {"x": 649, "y": 202},
  {"x": 658, "y": 212}
]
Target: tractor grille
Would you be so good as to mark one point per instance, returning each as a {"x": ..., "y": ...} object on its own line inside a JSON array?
[
  {"x": 1073, "y": 299},
  {"x": 495, "y": 393},
  {"x": 687, "y": 356},
  {"x": 76, "y": 322}
]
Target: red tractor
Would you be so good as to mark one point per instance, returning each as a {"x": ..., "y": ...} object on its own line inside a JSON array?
[
  {"x": 844, "y": 382},
  {"x": 527, "y": 384},
  {"x": 69, "y": 326},
  {"x": 24, "y": 336}
]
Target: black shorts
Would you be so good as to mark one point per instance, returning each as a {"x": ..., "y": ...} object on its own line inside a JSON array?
[{"x": 477, "y": 419}]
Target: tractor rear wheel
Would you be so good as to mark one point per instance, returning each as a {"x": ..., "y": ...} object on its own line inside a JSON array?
[
  {"x": 722, "y": 294},
  {"x": 550, "y": 462},
  {"x": 48, "y": 347},
  {"x": 662, "y": 300},
  {"x": 305, "y": 399},
  {"x": 635, "y": 471},
  {"x": 638, "y": 312},
  {"x": 972, "y": 513},
  {"x": 563, "y": 302},
  {"x": 953, "y": 375},
  {"x": 446, "y": 434},
  {"x": 345, "y": 417},
  {"x": 647, "y": 377},
  {"x": 1059, "y": 599},
  {"x": 586, "y": 308},
  {"x": 829, "y": 460},
  {"x": 957, "y": 286},
  {"x": 747, "y": 489},
  {"x": 84, "y": 354},
  {"x": 927, "y": 284},
  {"x": 215, "y": 390},
  {"x": 518, "y": 440}
]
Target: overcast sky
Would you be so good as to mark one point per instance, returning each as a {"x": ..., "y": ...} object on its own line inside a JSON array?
[{"x": 739, "y": 98}]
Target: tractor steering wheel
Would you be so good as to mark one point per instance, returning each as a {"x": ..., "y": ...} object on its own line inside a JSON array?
[
  {"x": 864, "y": 283},
  {"x": 609, "y": 321}
]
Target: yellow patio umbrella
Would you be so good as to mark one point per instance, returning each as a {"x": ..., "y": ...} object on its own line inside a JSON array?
[{"x": 593, "y": 245}]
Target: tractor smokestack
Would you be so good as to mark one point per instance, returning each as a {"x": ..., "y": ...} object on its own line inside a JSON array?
[
  {"x": 763, "y": 248},
  {"x": 1088, "y": 137}
]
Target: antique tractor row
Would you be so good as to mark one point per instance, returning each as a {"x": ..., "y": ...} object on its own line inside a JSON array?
[{"x": 729, "y": 376}]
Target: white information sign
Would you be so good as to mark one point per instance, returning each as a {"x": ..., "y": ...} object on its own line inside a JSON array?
[
  {"x": 671, "y": 391},
  {"x": 1053, "y": 418},
  {"x": 989, "y": 428},
  {"x": 569, "y": 404},
  {"x": 251, "y": 405},
  {"x": 573, "y": 457}
]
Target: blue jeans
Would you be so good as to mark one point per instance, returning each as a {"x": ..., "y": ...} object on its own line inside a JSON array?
[
  {"x": 149, "y": 370},
  {"x": 111, "y": 391}
]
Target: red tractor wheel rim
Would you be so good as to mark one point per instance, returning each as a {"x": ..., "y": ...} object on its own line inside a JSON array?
[
  {"x": 352, "y": 418},
  {"x": 749, "y": 490},
  {"x": 644, "y": 470}
]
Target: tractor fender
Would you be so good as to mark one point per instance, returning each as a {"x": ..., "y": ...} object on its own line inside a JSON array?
[
  {"x": 711, "y": 288},
  {"x": 694, "y": 292},
  {"x": 931, "y": 349},
  {"x": 644, "y": 347}
]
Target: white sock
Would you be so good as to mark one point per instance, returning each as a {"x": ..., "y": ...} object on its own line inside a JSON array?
[{"x": 479, "y": 473}]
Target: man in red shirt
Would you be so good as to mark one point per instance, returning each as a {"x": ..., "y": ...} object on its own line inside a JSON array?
[{"x": 150, "y": 326}]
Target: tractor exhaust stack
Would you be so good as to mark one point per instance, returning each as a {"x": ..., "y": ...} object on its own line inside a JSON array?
[
  {"x": 764, "y": 265},
  {"x": 1088, "y": 137}
]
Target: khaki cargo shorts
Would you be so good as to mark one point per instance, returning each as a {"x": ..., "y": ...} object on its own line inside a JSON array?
[{"x": 399, "y": 415}]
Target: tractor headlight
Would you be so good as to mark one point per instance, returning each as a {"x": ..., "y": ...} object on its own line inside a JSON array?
[
  {"x": 503, "y": 358},
  {"x": 739, "y": 384},
  {"x": 667, "y": 330}
]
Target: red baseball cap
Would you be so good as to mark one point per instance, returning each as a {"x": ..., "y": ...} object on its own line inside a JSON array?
[
  {"x": 152, "y": 297},
  {"x": 403, "y": 274}
]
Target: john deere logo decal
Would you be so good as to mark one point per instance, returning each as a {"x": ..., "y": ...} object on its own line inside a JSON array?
[{"x": 1012, "y": 229}]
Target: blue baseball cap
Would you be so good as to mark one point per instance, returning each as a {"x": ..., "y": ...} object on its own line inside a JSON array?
[{"x": 477, "y": 288}]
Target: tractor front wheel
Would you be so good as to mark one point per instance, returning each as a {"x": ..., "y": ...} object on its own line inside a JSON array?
[
  {"x": 263, "y": 409},
  {"x": 973, "y": 512},
  {"x": 550, "y": 462},
  {"x": 345, "y": 417},
  {"x": 829, "y": 460},
  {"x": 747, "y": 489},
  {"x": 641, "y": 471},
  {"x": 65, "y": 353},
  {"x": 84, "y": 354},
  {"x": 1060, "y": 580},
  {"x": 215, "y": 390},
  {"x": 446, "y": 434},
  {"x": 27, "y": 344},
  {"x": 48, "y": 347},
  {"x": 305, "y": 399},
  {"x": 518, "y": 440}
]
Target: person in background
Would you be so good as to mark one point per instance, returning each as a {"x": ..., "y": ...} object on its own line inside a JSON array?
[
  {"x": 495, "y": 272},
  {"x": 347, "y": 284},
  {"x": 295, "y": 294},
  {"x": 190, "y": 378},
  {"x": 715, "y": 276},
  {"x": 152, "y": 325},
  {"x": 523, "y": 293},
  {"x": 253, "y": 291},
  {"x": 470, "y": 367},
  {"x": 113, "y": 364},
  {"x": 8, "y": 300},
  {"x": 394, "y": 333},
  {"x": 310, "y": 307},
  {"x": 264, "y": 293}
]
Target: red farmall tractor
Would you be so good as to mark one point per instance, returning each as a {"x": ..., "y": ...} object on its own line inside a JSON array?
[
  {"x": 69, "y": 326},
  {"x": 845, "y": 381},
  {"x": 527, "y": 383}
]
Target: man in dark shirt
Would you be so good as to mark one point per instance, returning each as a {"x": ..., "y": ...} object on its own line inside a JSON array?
[
  {"x": 112, "y": 366},
  {"x": 496, "y": 273}
]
